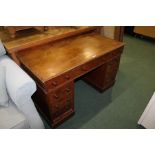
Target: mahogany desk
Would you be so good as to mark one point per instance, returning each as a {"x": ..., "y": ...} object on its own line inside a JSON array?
[{"x": 55, "y": 66}]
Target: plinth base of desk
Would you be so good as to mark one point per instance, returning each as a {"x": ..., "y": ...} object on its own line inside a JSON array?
[
  {"x": 58, "y": 121},
  {"x": 99, "y": 88}
]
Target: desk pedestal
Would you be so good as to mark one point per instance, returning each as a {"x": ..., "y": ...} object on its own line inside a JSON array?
[
  {"x": 57, "y": 105},
  {"x": 104, "y": 76}
]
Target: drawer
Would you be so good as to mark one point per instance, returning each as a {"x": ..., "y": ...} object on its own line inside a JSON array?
[
  {"x": 57, "y": 81},
  {"x": 111, "y": 55},
  {"x": 110, "y": 76},
  {"x": 115, "y": 53},
  {"x": 111, "y": 69},
  {"x": 61, "y": 106},
  {"x": 89, "y": 66},
  {"x": 61, "y": 93},
  {"x": 66, "y": 104},
  {"x": 61, "y": 99}
]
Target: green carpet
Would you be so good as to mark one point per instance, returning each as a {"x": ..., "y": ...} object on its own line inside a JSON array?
[{"x": 120, "y": 106}]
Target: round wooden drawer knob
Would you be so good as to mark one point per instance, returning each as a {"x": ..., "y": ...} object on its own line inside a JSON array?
[
  {"x": 67, "y": 77},
  {"x": 56, "y": 96},
  {"x": 68, "y": 89},
  {"x": 84, "y": 68},
  {"x": 56, "y": 106},
  {"x": 54, "y": 83}
]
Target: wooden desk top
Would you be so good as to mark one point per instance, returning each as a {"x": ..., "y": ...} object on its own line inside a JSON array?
[{"x": 52, "y": 59}]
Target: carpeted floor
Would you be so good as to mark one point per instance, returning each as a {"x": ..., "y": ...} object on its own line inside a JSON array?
[{"x": 121, "y": 106}]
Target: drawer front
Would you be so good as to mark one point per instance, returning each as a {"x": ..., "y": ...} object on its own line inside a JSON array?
[
  {"x": 115, "y": 53},
  {"x": 60, "y": 107},
  {"x": 58, "y": 81},
  {"x": 85, "y": 68},
  {"x": 111, "y": 69},
  {"x": 61, "y": 93},
  {"x": 61, "y": 100}
]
